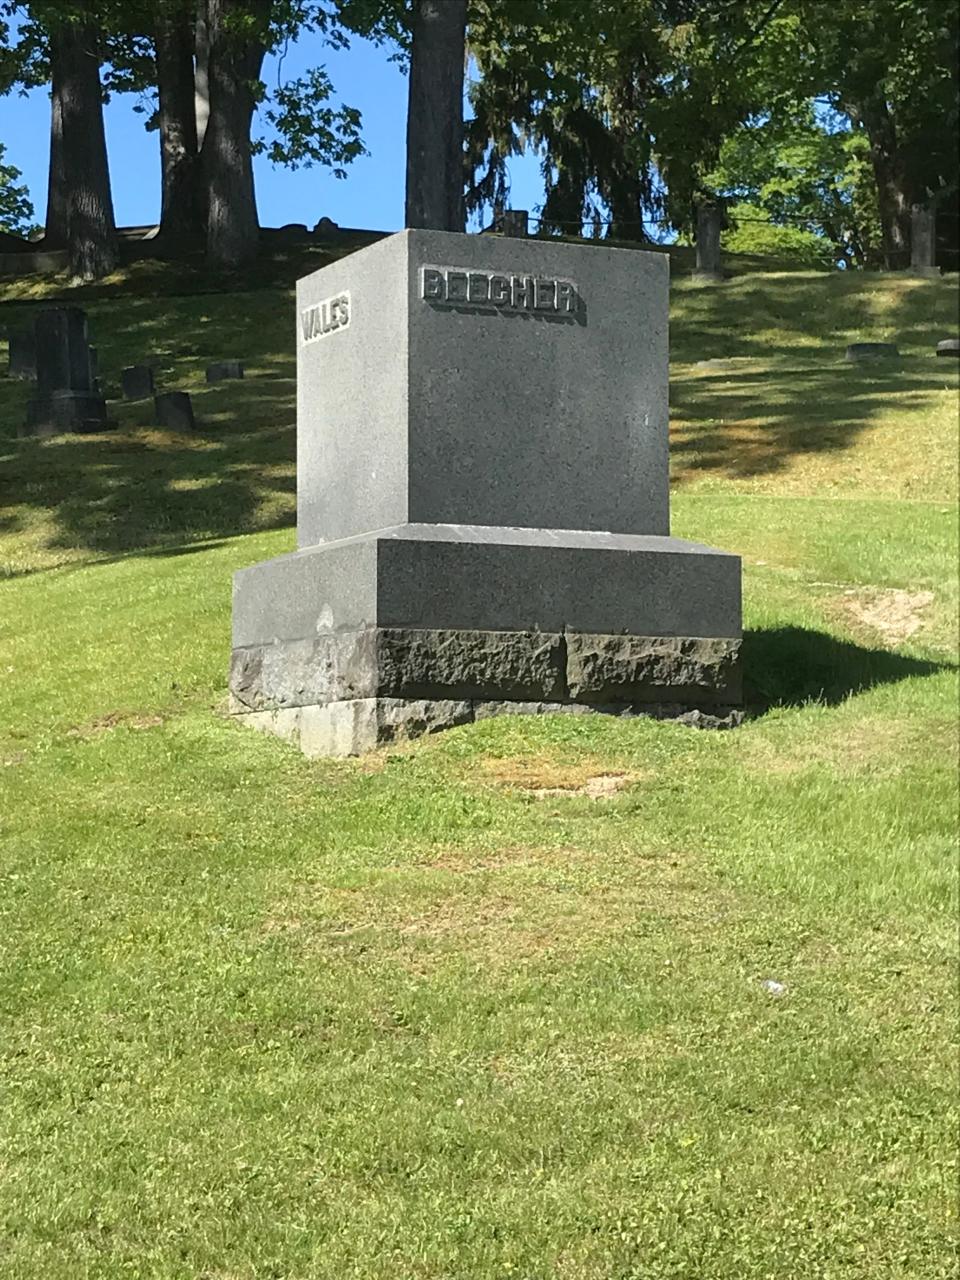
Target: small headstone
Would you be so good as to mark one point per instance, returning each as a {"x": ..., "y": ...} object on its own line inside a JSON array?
[
  {"x": 710, "y": 222},
  {"x": 173, "y": 410},
  {"x": 923, "y": 241},
  {"x": 224, "y": 370},
  {"x": 326, "y": 227},
  {"x": 291, "y": 232},
  {"x": 516, "y": 222},
  {"x": 872, "y": 351},
  {"x": 67, "y": 398},
  {"x": 23, "y": 354},
  {"x": 949, "y": 347},
  {"x": 136, "y": 382}
]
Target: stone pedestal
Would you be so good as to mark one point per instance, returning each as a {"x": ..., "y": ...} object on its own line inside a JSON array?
[
  {"x": 483, "y": 517},
  {"x": 68, "y": 397}
]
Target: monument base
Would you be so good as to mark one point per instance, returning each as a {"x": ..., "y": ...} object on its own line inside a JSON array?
[
  {"x": 325, "y": 652},
  {"x": 359, "y": 725},
  {"x": 60, "y": 411}
]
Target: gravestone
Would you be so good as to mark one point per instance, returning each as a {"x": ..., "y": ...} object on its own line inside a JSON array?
[
  {"x": 923, "y": 241},
  {"x": 136, "y": 382},
  {"x": 23, "y": 354},
  {"x": 224, "y": 370},
  {"x": 67, "y": 398},
  {"x": 516, "y": 222},
  {"x": 949, "y": 347},
  {"x": 482, "y": 503},
  {"x": 174, "y": 410},
  {"x": 710, "y": 223},
  {"x": 857, "y": 351}
]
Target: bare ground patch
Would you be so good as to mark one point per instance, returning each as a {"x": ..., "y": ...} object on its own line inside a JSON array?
[
  {"x": 543, "y": 778},
  {"x": 894, "y": 613}
]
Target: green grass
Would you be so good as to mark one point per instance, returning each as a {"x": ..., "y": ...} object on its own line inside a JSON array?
[{"x": 419, "y": 1015}]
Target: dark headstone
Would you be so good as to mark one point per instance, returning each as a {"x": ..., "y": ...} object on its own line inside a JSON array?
[
  {"x": 325, "y": 227},
  {"x": 872, "y": 351},
  {"x": 516, "y": 222},
  {"x": 173, "y": 410},
  {"x": 68, "y": 398},
  {"x": 23, "y": 354},
  {"x": 292, "y": 232},
  {"x": 923, "y": 241},
  {"x": 224, "y": 370},
  {"x": 710, "y": 222},
  {"x": 949, "y": 347},
  {"x": 136, "y": 382}
]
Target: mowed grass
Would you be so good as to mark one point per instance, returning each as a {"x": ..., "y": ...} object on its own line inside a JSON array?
[{"x": 491, "y": 1004}]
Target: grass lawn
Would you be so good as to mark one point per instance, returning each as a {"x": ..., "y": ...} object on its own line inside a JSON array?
[{"x": 491, "y": 1005}]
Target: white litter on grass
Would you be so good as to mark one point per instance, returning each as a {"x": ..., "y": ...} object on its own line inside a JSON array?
[{"x": 774, "y": 988}]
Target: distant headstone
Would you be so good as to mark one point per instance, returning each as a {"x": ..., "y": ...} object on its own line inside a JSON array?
[
  {"x": 174, "y": 410},
  {"x": 482, "y": 503},
  {"x": 67, "y": 396},
  {"x": 326, "y": 227},
  {"x": 292, "y": 232},
  {"x": 136, "y": 382},
  {"x": 224, "y": 370},
  {"x": 710, "y": 222},
  {"x": 923, "y": 241},
  {"x": 872, "y": 351},
  {"x": 23, "y": 354},
  {"x": 949, "y": 347},
  {"x": 516, "y": 222}
]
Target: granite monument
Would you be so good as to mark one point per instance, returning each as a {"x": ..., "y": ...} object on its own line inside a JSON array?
[{"x": 482, "y": 503}]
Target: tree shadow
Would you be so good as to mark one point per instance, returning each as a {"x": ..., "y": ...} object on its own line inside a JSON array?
[
  {"x": 790, "y": 666},
  {"x": 779, "y": 387}
]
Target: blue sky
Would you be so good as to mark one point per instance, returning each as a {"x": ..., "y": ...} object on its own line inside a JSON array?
[{"x": 370, "y": 196}]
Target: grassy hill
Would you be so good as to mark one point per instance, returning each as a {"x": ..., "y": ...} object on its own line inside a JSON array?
[{"x": 493, "y": 1004}]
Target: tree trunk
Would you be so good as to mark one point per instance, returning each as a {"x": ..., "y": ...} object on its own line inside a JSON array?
[
  {"x": 55, "y": 225},
  {"x": 435, "y": 166},
  {"x": 91, "y": 232},
  {"x": 233, "y": 230},
  {"x": 181, "y": 214},
  {"x": 893, "y": 194}
]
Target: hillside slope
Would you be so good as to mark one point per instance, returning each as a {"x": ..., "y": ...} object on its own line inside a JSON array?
[{"x": 497, "y": 1003}]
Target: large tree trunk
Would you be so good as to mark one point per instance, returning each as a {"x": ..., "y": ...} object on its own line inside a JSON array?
[
  {"x": 91, "y": 232},
  {"x": 181, "y": 214},
  {"x": 233, "y": 230},
  {"x": 55, "y": 225},
  {"x": 893, "y": 194},
  {"x": 435, "y": 167}
]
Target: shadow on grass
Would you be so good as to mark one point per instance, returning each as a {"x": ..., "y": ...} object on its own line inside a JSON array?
[
  {"x": 790, "y": 666},
  {"x": 801, "y": 396}
]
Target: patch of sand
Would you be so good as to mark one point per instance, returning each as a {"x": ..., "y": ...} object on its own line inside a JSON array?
[{"x": 896, "y": 614}]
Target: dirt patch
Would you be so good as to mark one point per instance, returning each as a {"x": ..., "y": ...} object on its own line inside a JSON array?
[
  {"x": 896, "y": 614},
  {"x": 544, "y": 779},
  {"x": 113, "y": 720}
]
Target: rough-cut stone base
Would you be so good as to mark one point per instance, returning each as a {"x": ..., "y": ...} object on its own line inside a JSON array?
[
  {"x": 488, "y": 666},
  {"x": 353, "y": 727},
  {"x": 343, "y": 693}
]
